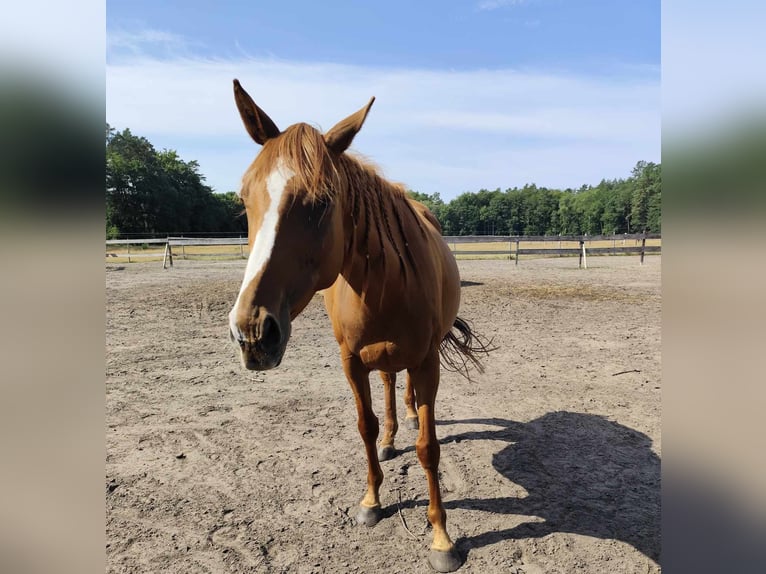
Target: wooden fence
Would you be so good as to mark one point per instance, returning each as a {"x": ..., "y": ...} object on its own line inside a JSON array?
[
  {"x": 479, "y": 246},
  {"x": 180, "y": 244},
  {"x": 552, "y": 245}
]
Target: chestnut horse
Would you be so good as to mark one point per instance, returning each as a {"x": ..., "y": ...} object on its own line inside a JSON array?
[{"x": 322, "y": 220}]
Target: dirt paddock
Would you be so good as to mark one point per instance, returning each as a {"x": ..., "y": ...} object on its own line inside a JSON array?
[{"x": 550, "y": 459}]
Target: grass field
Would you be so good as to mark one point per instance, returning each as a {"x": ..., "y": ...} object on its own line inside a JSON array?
[
  {"x": 460, "y": 249},
  {"x": 153, "y": 252},
  {"x": 119, "y": 254},
  {"x": 504, "y": 246}
]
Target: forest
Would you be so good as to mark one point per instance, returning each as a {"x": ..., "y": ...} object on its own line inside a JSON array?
[{"x": 156, "y": 193}]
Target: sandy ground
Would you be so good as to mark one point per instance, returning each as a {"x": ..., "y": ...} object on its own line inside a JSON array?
[{"x": 550, "y": 460}]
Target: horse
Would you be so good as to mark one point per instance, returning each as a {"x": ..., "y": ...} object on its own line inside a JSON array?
[{"x": 323, "y": 220}]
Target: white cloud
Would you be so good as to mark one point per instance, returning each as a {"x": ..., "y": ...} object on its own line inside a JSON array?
[
  {"x": 446, "y": 131},
  {"x": 147, "y": 42},
  {"x": 136, "y": 41},
  {"x": 495, "y": 4}
]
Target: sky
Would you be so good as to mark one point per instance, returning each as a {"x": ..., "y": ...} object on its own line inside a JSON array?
[{"x": 471, "y": 94}]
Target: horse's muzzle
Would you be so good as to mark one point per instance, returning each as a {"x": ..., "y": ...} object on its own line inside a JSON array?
[
  {"x": 255, "y": 358},
  {"x": 265, "y": 351},
  {"x": 262, "y": 363}
]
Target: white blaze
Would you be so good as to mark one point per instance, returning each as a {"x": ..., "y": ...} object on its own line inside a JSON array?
[{"x": 267, "y": 234}]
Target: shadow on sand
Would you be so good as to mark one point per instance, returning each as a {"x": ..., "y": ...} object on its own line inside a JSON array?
[{"x": 583, "y": 474}]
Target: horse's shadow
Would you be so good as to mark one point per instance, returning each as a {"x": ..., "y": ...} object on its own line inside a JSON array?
[{"x": 583, "y": 474}]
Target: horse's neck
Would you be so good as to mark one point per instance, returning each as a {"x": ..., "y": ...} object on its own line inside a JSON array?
[{"x": 378, "y": 225}]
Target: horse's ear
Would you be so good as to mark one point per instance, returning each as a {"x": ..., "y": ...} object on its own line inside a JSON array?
[
  {"x": 342, "y": 134},
  {"x": 257, "y": 123}
]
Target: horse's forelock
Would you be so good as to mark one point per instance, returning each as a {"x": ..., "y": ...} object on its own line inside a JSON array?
[{"x": 301, "y": 148}]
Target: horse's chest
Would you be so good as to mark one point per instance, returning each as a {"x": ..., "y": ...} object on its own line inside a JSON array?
[
  {"x": 387, "y": 344},
  {"x": 389, "y": 337},
  {"x": 385, "y": 356}
]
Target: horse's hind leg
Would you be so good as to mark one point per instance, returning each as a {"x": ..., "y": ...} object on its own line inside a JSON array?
[
  {"x": 425, "y": 380},
  {"x": 359, "y": 378},
  {"x": 411, "y": 418},
  {"x": 387, "y": 450}
]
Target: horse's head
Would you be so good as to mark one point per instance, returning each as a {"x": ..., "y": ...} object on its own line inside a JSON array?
[{"x": 295, "y": 229}]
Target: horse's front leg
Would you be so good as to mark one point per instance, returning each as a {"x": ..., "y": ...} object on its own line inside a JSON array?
[
  {"x": 387, "y": 450},
  {"x": 359, "y": 378},
  {"x": 425, "y": 381}
]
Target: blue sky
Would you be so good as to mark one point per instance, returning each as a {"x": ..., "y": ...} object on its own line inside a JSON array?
[{"x": 471, "y": 94}]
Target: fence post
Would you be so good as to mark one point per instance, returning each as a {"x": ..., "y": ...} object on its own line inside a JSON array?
[
  {"x": 643, "y": 247},
  {"x": 168, "y": 254},
  {"x": 584, "y": 257},
  {"x": 582, "y": 253},
  {"x": 128, "y": 252},
  {"x": 241, "y": 249},
  {"x": 517, "y": 251}
]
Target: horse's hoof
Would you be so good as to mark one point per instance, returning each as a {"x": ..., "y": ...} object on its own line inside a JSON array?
[
  {"x": 369, "y": 515},
  {"x": 386, "y": 452},
  {"x": 411, "y": 423},
  {"x": 444, "y": 561}
]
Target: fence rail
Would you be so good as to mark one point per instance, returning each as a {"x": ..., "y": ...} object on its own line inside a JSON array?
[
  {"x": 551, "y": 238},
  {"x": 170, "y": 242},
  {"x": 517, "y": 246}
]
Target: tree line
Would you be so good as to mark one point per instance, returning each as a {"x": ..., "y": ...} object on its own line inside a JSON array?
[
  {"x": 631, "y": 205},
  {"x": 152, "y": 192}
]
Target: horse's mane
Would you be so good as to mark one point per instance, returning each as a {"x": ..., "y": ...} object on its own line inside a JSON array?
[
  {"x": 386, "y": 208},
  {"x": 367, "y": 193}
]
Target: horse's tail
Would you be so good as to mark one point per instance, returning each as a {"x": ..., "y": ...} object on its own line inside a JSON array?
[{"x": 461, "y": 347}]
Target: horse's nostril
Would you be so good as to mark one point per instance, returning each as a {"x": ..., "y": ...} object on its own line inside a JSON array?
[{"x": 270, "y": 333}]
